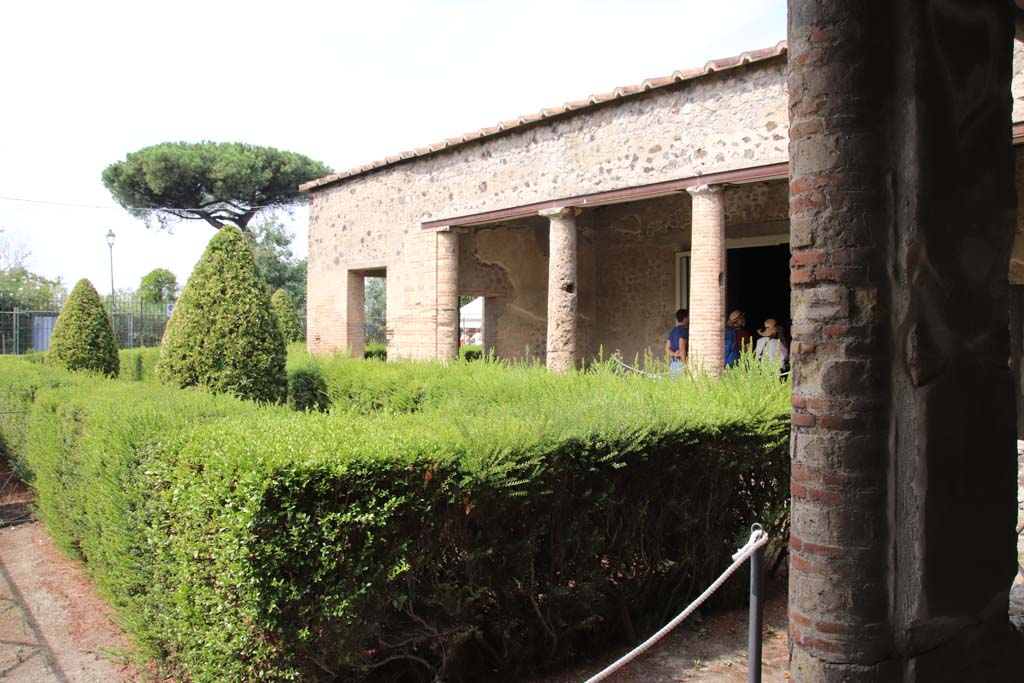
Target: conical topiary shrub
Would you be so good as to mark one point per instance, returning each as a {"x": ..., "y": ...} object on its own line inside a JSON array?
[
  {"x": 223, "y": 334},
  {"x": 291, "y": 328},
  {"x": 82, "y": 338}
]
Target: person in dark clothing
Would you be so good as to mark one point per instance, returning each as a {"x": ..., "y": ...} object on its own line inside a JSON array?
[
  {"x": 677, "y": 342},
  {"x": 737, "y": 322},
  {"x": 732, "y": 348}
]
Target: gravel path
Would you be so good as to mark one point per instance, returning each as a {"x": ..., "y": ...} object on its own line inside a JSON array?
[{"x": 53, "y": 627}]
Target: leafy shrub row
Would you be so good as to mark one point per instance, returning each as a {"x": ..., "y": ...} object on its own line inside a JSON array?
[
  {"x": 375, "y": 351},
  {"x": 139, "y": 365},
  {"x": 509, "y": 519},
  {"x": 468, "y": 352}
]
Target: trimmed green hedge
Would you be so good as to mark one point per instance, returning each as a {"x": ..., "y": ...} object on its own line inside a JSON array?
[
  {"x": 375, "y": 351},
  {"x": 139, "y": 365},
  {"x": 504, "y": 520},
  {"x": 468, "y": 352}
]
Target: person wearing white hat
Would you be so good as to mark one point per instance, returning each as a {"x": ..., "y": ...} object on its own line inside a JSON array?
[{"x": 769, "y": 345}]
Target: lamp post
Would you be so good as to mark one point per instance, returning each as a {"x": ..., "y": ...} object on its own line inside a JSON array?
[{"x": 110, "y": 243}]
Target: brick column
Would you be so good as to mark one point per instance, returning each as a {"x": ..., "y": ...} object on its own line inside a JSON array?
[
  {"x": 355, "y": 313},
  {"x": 562, "y": 268},
  {"x": 706, "y": 348},
  {"x": 490, "y": 321},
  {"x": 447, "y": 283},
  {"x": 901, "y": 217}
]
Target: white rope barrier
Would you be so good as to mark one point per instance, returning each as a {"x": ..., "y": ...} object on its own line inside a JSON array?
[
  {"x": 653, "y": 375},
  {"x": 758, "y": 538},
  {"x": 639, "y": 372}
]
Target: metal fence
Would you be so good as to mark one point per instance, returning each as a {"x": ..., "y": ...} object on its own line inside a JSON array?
[
  {"x": 25, "y": 328},
  {"x": 376, "y": 329}
]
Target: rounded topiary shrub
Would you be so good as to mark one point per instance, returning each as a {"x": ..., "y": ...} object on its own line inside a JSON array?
[
  {"x": 223, "y": 334},
  {"x": 307, "y": 389},
  {"x": 82, "y": 338},
  {"x": 291, "y": 328}
]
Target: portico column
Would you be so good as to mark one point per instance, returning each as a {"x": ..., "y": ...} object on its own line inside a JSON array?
[
  {"x": 447, "y": 283},
  {"x": 562, "y": 267},
  {"x": 902, "y": 210},
  {"x": 355, "y": 313},
  {"x": 490, "y": 321},
  {"x": 707, "y": 280}
]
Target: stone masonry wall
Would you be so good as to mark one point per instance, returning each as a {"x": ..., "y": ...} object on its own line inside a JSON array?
[{"x": 725, "y": 121}]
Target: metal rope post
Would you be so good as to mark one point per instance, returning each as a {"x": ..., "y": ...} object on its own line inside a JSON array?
[
  {"x": 756, "y": 612},
  {"x": 758, "y": 538}
]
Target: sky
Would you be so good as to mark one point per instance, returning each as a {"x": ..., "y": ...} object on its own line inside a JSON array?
[{"x": 346, "y": 83}]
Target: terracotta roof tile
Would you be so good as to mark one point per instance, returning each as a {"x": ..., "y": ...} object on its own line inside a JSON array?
[
  {"x": 652, "y": 83},
  {"x": 712, "y": 66}
]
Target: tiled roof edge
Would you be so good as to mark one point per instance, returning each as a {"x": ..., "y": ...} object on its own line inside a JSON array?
[{"x": 713, "y": 66}]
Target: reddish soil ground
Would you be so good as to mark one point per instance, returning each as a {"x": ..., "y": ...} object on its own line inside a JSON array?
[{"x": 54, "y": 628}]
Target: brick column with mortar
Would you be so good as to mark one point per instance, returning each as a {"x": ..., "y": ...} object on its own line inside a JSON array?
[
  {"x": 490, "y": 321},
  {"x": 901, "y": 217},
  {"x": 355, "y": 313},
  {"x": 562, "y": 289},
  {"x": 706, "y": 349},
  {"x": 447, "y": 290}
]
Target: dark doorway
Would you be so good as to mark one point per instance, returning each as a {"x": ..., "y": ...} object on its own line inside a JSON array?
[{"x": 758, "y": 284}]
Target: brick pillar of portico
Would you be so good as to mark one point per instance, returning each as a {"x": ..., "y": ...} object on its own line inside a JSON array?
[
  {"x": 447, "y": 284},
  {"x": 901, "y": 218},
  {"x": 490, "y": 321},
  {"x": 355, "y": 313},
  {"x": 562, "y": 289},
  {"x": 706, "y": 349}
]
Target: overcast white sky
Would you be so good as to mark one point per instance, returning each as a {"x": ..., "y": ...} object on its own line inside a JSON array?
[{"x": 343, "y": 82}]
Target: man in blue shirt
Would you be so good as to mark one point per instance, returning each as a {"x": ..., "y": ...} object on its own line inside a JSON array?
[
  {"x": 677, "y": 342},
  {"x": 732, "y": 348}
]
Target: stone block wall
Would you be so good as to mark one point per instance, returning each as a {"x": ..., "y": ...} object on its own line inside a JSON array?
[
  {"x": 724, "y": 121},
  {"x": 721, "y": 122}
]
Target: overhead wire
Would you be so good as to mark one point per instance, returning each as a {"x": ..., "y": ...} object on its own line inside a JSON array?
[{"x": 45, "y": 202}]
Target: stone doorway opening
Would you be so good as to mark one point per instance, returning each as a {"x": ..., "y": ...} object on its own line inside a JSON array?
[
  {"x": 375, "y": 289},
  {"x": 757, "y": 283}
]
